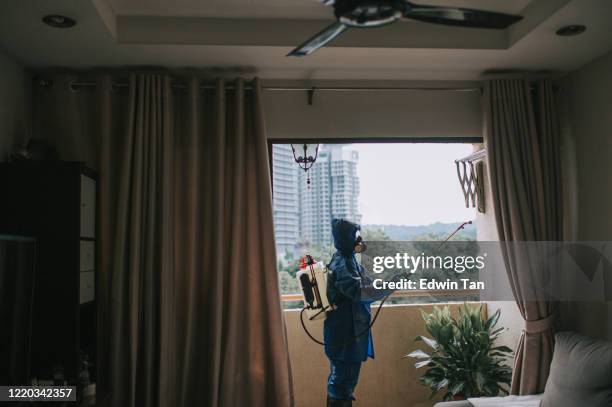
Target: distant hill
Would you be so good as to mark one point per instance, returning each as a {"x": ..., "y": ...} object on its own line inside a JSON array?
[{"x": 441, "y": 230}]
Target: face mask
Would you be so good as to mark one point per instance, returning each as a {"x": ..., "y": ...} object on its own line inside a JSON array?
[{"x": 360, "y": 245}]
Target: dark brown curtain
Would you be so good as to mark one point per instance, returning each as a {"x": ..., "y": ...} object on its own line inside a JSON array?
[
  {"x": 190, "y": 311},
  {"x": 522, "y": 141},
  {"x": 142, "y": 274},
  {"x": 232, "y": 344}
]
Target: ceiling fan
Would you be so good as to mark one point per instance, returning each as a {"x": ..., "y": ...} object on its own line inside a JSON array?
[{"x": 375, "y": 13}]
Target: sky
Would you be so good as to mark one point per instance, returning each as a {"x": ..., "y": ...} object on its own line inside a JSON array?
[{"x": 411, "y": 183}]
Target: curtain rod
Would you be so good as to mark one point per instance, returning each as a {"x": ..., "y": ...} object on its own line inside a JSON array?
[{"x": 74, "y": 85}]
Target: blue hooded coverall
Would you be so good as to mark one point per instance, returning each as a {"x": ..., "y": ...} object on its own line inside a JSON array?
[{"x": 350, "y": 290}]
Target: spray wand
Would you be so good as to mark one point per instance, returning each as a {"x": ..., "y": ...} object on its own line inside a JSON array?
[{"x": 353, "y": 339}]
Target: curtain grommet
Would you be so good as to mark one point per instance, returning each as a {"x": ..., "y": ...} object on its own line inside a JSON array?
[
  {"x": 45, "y": 83},
  {"x": 72, "y": 87}
]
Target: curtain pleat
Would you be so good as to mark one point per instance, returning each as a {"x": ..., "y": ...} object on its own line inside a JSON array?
[
  {"x": 141, "y": 249},
  {"x": 522, "y": 139},
  {"x": 188, "y": 294}
]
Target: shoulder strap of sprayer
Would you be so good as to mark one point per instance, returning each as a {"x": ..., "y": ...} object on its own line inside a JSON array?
[{"x": 338, "y": 298}]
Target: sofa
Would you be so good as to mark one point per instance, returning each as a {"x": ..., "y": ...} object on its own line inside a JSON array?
[{"x": 580, "y": 375}]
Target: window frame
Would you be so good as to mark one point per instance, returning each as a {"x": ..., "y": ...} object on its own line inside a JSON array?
[{"x": 377, "y": 140}]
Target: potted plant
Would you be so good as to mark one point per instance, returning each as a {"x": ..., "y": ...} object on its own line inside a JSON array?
[{"x": 462, "y": 358}]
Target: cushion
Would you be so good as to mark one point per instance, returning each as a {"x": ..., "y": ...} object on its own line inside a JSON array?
[
  {"x": 462, "y": 403},
  {"x": 580, "y": 373},
  {"x": 509, "y": 401}
]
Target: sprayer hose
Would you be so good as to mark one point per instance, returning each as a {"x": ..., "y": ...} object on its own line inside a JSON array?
[{"x": 353, "y": 339}]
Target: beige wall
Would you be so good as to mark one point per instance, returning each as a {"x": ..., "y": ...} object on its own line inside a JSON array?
[
  {"x": 373, "y": 114},
  {"x": 589, "y": 120},
  {"x": 590, "y": 107},
  {"x": 386, "y": 381},
  {"x": 15, "y": 111}
]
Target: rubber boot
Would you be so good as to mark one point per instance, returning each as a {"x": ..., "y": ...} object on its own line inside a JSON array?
[{"x": 331, "y": 402}]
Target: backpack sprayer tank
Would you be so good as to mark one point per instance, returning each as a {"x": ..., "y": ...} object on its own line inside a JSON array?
[{"x": 312, "y": 278}]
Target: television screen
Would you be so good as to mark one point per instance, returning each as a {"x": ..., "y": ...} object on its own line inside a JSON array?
[{"x": 17, "y": 264}]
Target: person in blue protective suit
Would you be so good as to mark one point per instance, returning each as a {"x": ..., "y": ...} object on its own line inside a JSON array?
[{"x": 347, "y": 337}]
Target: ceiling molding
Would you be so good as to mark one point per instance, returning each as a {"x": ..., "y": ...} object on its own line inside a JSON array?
[
  {"x": 288, "y": 32},
  {"x": 533, "y": 15},
  {"x": 199, "y": 30},
  {"x": 108, "y": 15},
  {"x": 286, "y": 9}
]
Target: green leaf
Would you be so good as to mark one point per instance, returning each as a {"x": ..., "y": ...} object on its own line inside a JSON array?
[
  {"x": 497, "y": 331},
  {"x": 432, "y": 343},
  {"x": 462, "y": 357},
  {"x": 433, "y": 394},
  {"x": 480, "y": 380},
  {"x": 456, "y": 388},
  {"x": 491, "y": 389},
  {"x": 421, "y": 364},
  {"x": 418, "y": 354},
  {"x": 502, "y": 349},
  {"x": 442, "y": 384},
  {"x": 491, "y": 322}
]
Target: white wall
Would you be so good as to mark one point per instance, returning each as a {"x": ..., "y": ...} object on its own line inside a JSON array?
[
  {"x": 589, "y": 107},
  {"x": 15, "y": 111}
]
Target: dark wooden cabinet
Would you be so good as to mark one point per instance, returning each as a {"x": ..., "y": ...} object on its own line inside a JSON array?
[{"x": 55, "y": 202}]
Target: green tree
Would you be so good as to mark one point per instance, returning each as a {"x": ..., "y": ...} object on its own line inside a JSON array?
[
  {"x": 374, "y": 235},
  {"x": 462, "y": 235},
  {"x": 288, "y": 256},
  {"x": 288, "y": 284}
]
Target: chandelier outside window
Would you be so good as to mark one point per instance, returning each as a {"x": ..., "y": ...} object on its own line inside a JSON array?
[{"x": 306, "y": 160}]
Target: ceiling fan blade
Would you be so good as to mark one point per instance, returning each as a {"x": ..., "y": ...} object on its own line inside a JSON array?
[
  {"x": 319, "y": 40},
  {"x": 457, "y": 16}
]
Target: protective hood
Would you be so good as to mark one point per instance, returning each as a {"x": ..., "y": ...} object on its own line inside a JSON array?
[{"x": 344, "y": 232}]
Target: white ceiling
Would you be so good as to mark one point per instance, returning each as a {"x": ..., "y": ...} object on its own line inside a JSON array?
[
  {"x": 254, "y": 36},
  {"x": 306, "y": 9},
  {"x": 298, "y": 9}
]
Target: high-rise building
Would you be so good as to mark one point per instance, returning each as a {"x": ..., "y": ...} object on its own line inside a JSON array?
[
  {"x": 344, "y": 183},
  {"x": 315, "y": 201},
  {"x": 303, "y": 212},
  {"x": 333, "y": 193},
  {"x": 285, "y": 198}
]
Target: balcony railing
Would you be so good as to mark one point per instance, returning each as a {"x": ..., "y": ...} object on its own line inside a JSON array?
[{"x": 405, "y": 294}]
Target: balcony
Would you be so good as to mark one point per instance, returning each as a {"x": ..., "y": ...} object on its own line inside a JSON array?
[{"x": 388, "y": 380}]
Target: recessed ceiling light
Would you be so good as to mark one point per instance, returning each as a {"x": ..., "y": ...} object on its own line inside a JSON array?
[
  {"x": 58, "y": 21},
  {"x": 571, "y": 30}
]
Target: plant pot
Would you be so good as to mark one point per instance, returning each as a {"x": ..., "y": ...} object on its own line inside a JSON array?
[{"x": 458, "y": 397}]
